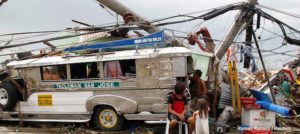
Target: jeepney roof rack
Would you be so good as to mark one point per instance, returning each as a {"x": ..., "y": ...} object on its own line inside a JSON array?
[{"x": 156, "y": 39}]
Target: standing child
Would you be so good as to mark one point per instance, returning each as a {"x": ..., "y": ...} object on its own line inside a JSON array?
[
  {"x": 177, "y": 107},
  {"x": 200, "y": 117}
]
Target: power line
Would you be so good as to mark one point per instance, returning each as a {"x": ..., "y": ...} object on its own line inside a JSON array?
[
  {"x": 61, "y": 46},
  {"x": 31, "y": 32},
  {"x": 27, "y": 37},
  {"x": 280, "y": 11},
  {"x": 206, "y": 16},
  {"x": 136, "y": 23},
  {"x": 50, "y": 39}
]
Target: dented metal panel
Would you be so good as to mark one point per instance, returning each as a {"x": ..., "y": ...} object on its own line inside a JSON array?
[
  {"x": 179, "y": 66},
  {"x": 147, "y": 72},
  {"x": 142, "y": 108},
  {"x": 165, "y": 67},
  {"x": 146, "y": 99},
  {"x": 166, "y": 82},
  {"x": 32, "y": 77},
  {"x": 150, "y": 100},
  {"x": 160, "y": 108},
  {"x": 166, "y": 78},
  {"x": 120, "y": 103}
]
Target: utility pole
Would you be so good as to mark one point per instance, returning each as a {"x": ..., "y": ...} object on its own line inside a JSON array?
[
  {"x": 248, "y": 43},
  {"x": 122, "y": 10},
  {"x": 243, "y": 18}
]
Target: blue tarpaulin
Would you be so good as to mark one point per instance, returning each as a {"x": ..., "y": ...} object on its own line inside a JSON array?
[
  {"x": 260, "y": 96},
  {"x": 265, "y": 102},
  {"x": 275, "y": 108},
  {"x": 156, "y": 37}
]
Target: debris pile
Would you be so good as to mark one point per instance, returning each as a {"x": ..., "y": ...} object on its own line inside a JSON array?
[{"x": 253, "y": 80}]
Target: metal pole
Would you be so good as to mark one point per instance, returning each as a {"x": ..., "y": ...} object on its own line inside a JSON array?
[
  {"x": 240, "y": 20},
  {"x": 121, "y": 9},
  {"x": 263, "y": 64}
]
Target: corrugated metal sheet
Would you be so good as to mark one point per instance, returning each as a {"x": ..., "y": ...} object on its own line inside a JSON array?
[{"x": 225, "y": 99}]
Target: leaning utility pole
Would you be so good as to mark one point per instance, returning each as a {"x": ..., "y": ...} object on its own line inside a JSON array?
[
  {"x": 122, "y": 10},
  {"x": 243, "y": 18}
]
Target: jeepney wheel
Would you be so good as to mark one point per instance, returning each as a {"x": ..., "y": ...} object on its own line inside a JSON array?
[
  {"x": 107, "y": 119},
  {"x": 8, "y": 95}
]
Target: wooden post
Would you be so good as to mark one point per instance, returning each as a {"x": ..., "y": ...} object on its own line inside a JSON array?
[{"x": 216, "y": 89}]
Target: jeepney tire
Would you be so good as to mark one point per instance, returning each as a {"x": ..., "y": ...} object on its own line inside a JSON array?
[
  {"x": 100, "y": 120},
  {"x": 3, "y": 76},
  {"x": 9, "y": 91}
]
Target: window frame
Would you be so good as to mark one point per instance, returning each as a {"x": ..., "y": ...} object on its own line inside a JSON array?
[
  {"x": 84, "y": 79},
  {"x": 61, "y": 80},
  {"x": 123, "y": 75}
]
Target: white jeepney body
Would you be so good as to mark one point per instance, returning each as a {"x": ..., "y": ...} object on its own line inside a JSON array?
[{"x": 154, "y": 72}]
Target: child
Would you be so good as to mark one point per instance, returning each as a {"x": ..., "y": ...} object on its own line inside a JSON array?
[
  {"x": 177, "y": 107},
  {"x": 200, "y": 117}
]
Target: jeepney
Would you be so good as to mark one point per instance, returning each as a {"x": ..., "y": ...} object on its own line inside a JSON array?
[{"x": 107, "y": 89}]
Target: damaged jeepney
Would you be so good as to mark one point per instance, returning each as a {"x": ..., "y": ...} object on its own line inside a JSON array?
[{"x": 105, "y": 88}]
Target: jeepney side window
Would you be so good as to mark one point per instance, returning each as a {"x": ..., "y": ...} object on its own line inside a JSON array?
[
  {"x": 84, "y": 70},
  {"x": 122, "y": 69},
  {"x": 56, "y": 72}
]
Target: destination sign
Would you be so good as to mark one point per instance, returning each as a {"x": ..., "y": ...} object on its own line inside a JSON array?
[{"x": 87, "y": 85}]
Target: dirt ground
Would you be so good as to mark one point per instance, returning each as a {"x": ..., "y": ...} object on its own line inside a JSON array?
[{"x": 74, "y": 128}]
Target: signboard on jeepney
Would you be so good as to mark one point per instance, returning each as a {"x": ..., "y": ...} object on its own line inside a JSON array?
[
  {"x": 87, "y": 85},
  {"x": 156, "y": 37},
  {"x": 45, "y": 100}
]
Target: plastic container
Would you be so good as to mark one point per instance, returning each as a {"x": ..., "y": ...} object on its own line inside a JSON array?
[
  {"x": 252, "y": 106},
  {"x": 258, "y": 118},
  {"x": 248, "y": 100}
]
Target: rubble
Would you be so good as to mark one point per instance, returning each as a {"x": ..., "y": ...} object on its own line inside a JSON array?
[
  {"x": 285, "y": 85},
  {"x": 253, "y": 80}
]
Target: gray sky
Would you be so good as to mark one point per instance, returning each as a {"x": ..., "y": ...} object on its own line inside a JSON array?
[{"x": 37, "y": 15}]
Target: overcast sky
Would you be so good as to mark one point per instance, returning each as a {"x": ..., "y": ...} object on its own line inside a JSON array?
[{"x": 37, "y": 15}]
